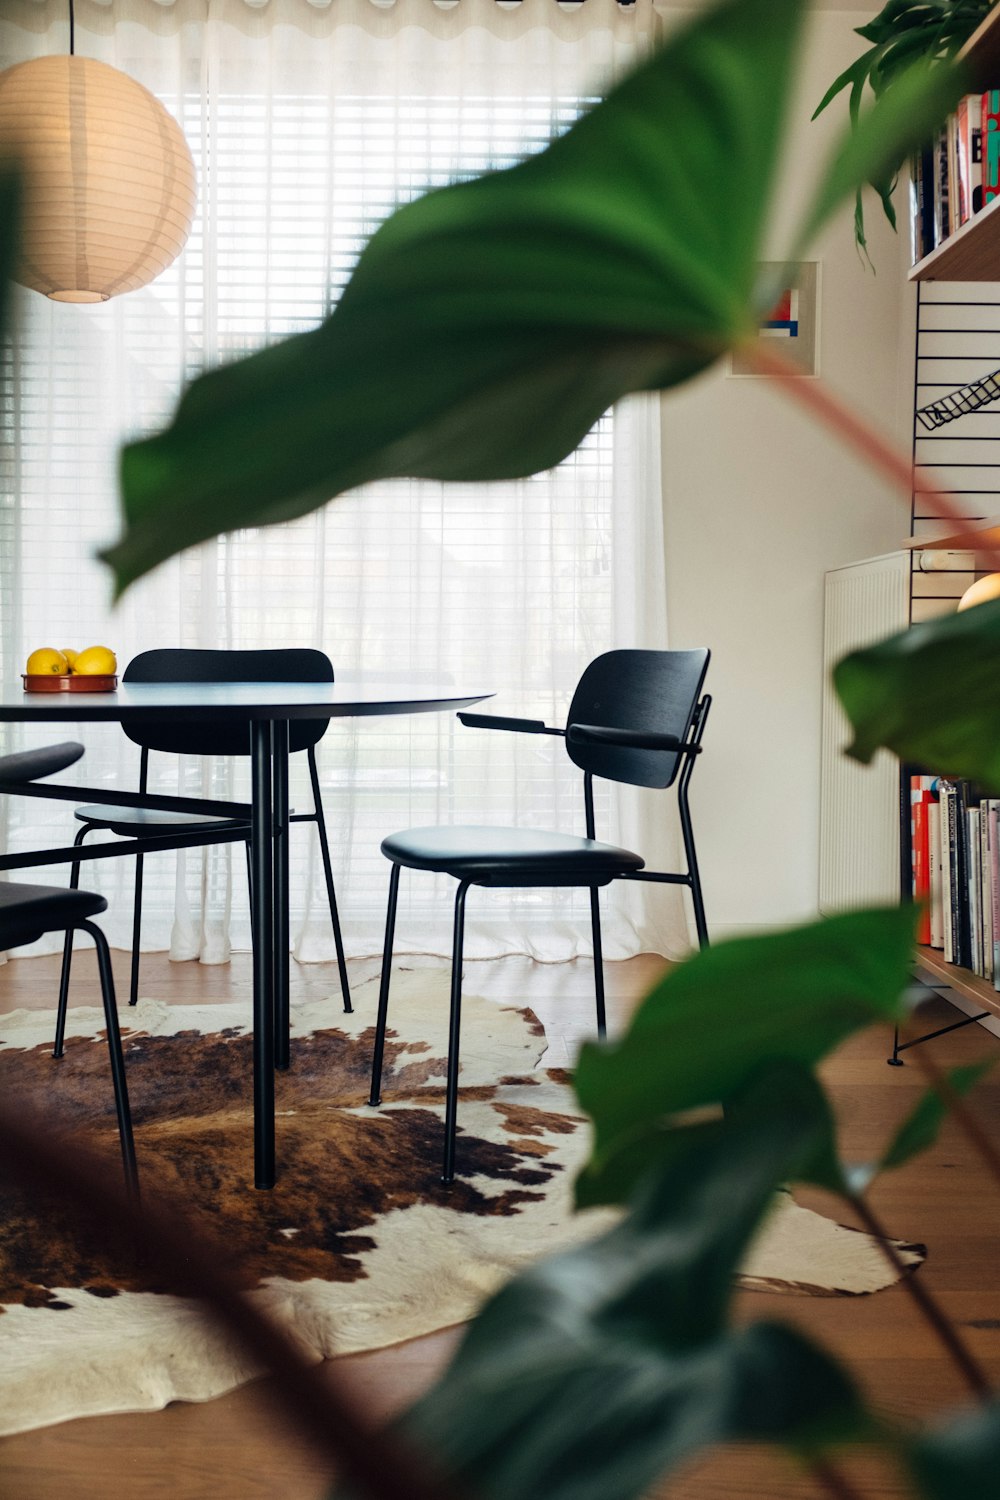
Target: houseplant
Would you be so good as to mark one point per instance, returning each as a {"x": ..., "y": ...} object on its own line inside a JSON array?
[{"x": 574, "y": 284}]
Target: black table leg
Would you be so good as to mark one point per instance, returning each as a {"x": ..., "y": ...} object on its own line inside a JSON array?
[
  {"x": 261, "y": 861},
  {"x": 282, "y": 1019}
]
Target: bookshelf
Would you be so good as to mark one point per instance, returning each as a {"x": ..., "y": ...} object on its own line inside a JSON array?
[
  {"x": 970, "y": 986},
  {"x": 973, "y": 252}
]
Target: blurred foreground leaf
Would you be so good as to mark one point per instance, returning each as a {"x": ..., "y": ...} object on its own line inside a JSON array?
[
  {"x": 602, "y": 1368},
  {"x": 717, "y": 1017},
  {"x": 960, "y": 1461},
  {"x": 930, "y": 695}
]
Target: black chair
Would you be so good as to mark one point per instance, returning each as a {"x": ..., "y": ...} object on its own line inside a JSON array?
[
  {"x": 222, "y": 738},
  {"x": 27, "y": 912},
  {"x": 636, "y": 717}
]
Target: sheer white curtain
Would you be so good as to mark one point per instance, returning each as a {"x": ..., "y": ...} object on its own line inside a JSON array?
[{"x": 308, "y": 123}]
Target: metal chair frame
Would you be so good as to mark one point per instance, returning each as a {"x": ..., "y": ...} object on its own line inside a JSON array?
[{"x": 687, "y": 752}]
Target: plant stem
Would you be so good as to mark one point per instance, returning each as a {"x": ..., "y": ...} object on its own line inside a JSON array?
[
  {"x": 968, "y": 1366},
  {"x": 832, "y": 1480},
  {"x": 958, "y": 1107},
  {"x": 861, "y": 436},
  {"x": 382, "y": 1464}
]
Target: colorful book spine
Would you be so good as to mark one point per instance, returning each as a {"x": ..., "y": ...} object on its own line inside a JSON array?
[
  {"x": 942, "y": 178},
  {"x": 990, "y": 149},
  {"x": 969, "y": 156},
  {"x": 947, "y": 812},
  {"x": 936, "y": 903},
  {"x": 920, "y": 844},
  {"x": 985, "y": 891},
  {"x": 974, "y": 890},
  {"x": 994, "y": 822}
]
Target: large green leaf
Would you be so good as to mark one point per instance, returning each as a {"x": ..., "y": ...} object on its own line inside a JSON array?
[
  {"x": 602, "y": 1368},
  {"x": 488, "y": 325},
  {"x": 714, "y": 1019},
  {"x": 960, "y": 1461},
  {"x": 920, "y": 1129},
  {"x": 930, "y": 695}
]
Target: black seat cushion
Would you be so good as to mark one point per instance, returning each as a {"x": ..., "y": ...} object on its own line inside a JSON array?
[
  {"x": 28, "y": 911},
  {"x": 135, "y": 822},
  {"x": 29, "y": 765},
  {"x": 510, "y": 856}
]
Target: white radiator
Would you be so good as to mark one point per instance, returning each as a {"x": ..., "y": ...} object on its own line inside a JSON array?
[{"x": 859, "y": 805}]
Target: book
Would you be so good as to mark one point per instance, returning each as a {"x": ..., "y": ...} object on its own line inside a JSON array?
[
  {"x": 920, "y": 807},
  {"x": 936, "y": 902},
  {"x": 985, "y": 892},
  {"x": 969, "y": 156},
  {"x": 994, "y": 822},
  {"x": 990, "y": 147},
  {"x": 942, "y": 178},
  {"x": 946, "y": 808},
  {"x": 974, "y": 889},
  {"x": 921, "y": 192}
]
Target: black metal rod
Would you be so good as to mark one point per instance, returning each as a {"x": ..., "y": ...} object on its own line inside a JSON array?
[
  {"x": 133, "y": 987},
  {"x": 67, "y": 958},
  {"x": 375, "y": 1094},
  {"x": 595, "y": 927},
  {"x": 331, "y": 894},
  {"x": 263, "y": 954},
  {"x": 282, "y": 937},
  {"x": 59, "y": 792},
  {"x": 942, "y": 1030},
  {"x": 30, "y": 859},
  {"x": 115, "y": 1053},
  {"x": 454, "y": 1037},
  {"x": 657, "y": 875},
  {"x": 588, "y": 803}
]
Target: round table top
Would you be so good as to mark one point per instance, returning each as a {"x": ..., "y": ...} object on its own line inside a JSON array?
[{"x": 242, "y": 700}]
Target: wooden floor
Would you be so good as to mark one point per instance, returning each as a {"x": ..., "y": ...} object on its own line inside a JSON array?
[{"x": 234, "y": 1448}]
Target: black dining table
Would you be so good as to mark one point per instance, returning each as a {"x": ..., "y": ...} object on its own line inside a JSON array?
[{"x": 267, "y": 708}]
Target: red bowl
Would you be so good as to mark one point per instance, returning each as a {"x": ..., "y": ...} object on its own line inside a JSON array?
[{"x": 68, "y": 682}]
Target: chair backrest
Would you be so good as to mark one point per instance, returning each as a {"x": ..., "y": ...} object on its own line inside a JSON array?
[
  {"x": 295, "y": 664},
  {"x": 654, "y": 691}
]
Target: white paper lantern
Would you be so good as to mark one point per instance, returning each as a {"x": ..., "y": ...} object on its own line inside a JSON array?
[{"x": 109, "y": 178}]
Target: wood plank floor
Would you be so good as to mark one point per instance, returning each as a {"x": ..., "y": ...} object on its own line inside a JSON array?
[{"x": 235, "y": 1448}]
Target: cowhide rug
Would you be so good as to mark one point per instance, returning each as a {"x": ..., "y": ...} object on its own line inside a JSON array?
[{"x": 359, "y": 1245}]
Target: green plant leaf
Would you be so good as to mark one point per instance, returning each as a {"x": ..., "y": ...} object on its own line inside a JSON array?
[
  {"x": 602, "y": 1368},
  {"x": 929, "y": 695},
  {"x": 874, "y": 146},
  {"x": 489, "y": 324},
  {"x": 960, "y": 1461},
  {"x": 714, "y": 1019},
  {"x": 922, "y": 1126}
]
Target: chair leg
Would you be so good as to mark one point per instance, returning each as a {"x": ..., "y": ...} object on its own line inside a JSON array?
[
  {"x": 331, "y": 895},
  {"x": 595, "y": 927},
  {"x": 701, "y": 926},
  {"x": 375, "y": 1097},
  {"x": 133, "y": 989},
  {"x": 253, "y": 933},
  {"x": 454, "y": 1030},
  {"x": 117, "y": 1060},
  {"x": 67, "y": 959}
]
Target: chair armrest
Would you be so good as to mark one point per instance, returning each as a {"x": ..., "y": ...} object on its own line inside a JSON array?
[
  {"x": 628, "y": 739},
  {"x": 497, "y": 721}
]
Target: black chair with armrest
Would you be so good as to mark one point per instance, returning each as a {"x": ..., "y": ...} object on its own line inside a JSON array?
[
  {"x": 27, "y": 912},
  {"x": 294, "y": 664},
  {"x": 636, "y": 717}
]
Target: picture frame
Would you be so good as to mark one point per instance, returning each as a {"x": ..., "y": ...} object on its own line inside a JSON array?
[{"x": 792, "y": 328}]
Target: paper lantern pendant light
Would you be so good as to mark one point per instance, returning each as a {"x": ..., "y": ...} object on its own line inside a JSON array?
[{"x": 109, "y": 179}]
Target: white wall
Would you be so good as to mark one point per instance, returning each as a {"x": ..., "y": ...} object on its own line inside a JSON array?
[{"x": 759, "y": 502}]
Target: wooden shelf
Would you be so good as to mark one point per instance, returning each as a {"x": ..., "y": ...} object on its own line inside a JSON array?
[
  {"x": 962, "y": 981},
  {"x": 982, "y": 536},
  {"x": 973, "y": 252}
]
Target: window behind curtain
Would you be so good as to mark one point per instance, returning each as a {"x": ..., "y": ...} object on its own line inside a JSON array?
[{"x": 504, "y": 587}]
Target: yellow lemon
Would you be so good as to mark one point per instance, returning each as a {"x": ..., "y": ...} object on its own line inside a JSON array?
[
  {"x": 46, "y": 659},
  {"x": 96, "y": 661},
  {"x": 71, "y": 657}
]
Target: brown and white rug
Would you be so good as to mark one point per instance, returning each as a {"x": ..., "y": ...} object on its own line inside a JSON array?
[{"x": 359, "y": 1245}]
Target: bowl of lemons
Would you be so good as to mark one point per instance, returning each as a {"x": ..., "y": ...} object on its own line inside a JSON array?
[{"x": 48, "y": 670}]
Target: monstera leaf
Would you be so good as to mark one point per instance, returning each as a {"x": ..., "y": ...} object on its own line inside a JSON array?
[
  {"x": 961, "y": 1459},
  {"x": 489, "y": 324},
  {"x": 603, "y": 1368},
  {"x": 713, "y": 1020},
  {"x": 929, "y": 695}
]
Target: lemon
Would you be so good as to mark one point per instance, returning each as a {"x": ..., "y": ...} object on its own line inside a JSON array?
[
  {"x": 96, "y": 661},
  {"x": 71, "y": 657},
  {"x": 46, "y": 659}
]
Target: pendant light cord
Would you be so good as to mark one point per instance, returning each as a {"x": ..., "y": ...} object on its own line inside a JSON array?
[{"x": 72, "y": 28}]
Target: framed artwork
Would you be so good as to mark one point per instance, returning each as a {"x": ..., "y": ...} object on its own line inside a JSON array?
[{"x": 793, "y": 322}]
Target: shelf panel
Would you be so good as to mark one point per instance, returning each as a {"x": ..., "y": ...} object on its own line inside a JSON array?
[
  {"x": 973, "y": 253},
  {"x": 982, "y": 536},
  {"x": 963, "y": 981}
]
